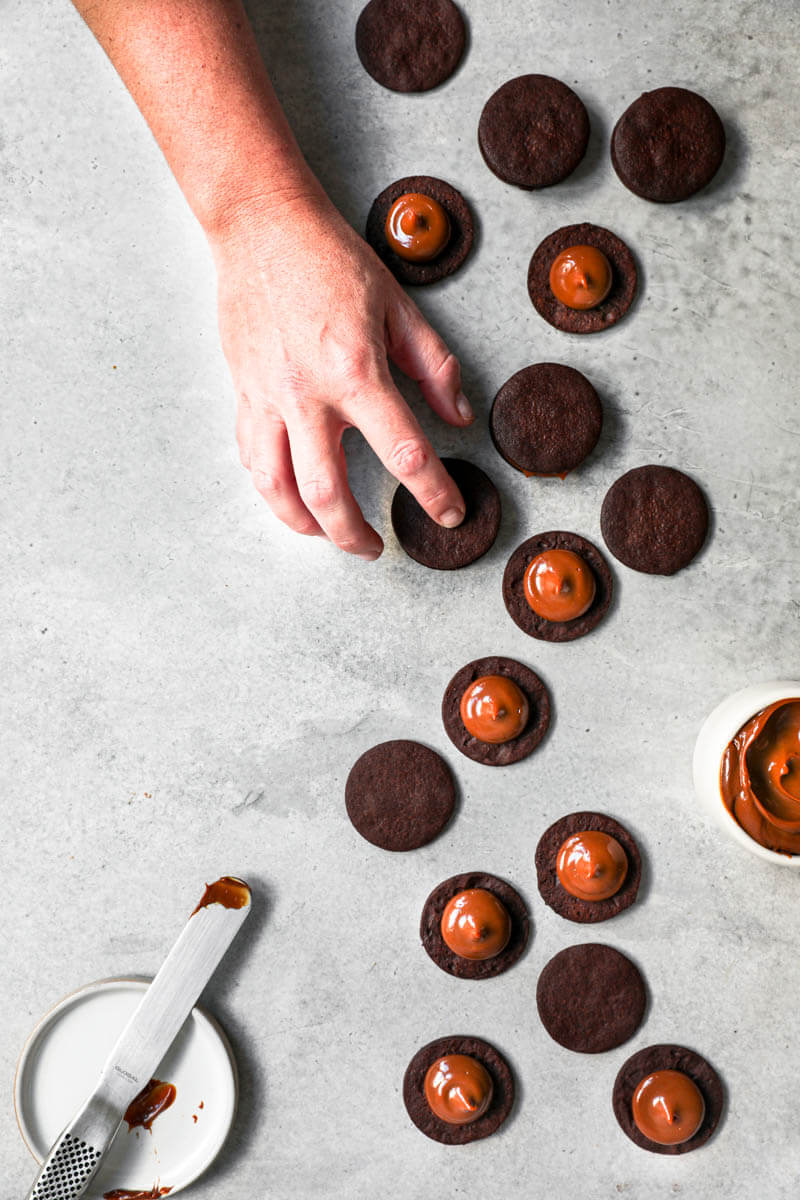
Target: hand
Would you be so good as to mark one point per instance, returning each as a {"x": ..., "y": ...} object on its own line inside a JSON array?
[{"x": 308, "y": 315}]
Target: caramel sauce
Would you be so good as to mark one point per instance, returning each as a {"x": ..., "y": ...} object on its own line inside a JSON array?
[
  {"x": 154, "y": 1098},
  {"x": 227, "y": 891},
  {"x": 125, "y": 1194}
]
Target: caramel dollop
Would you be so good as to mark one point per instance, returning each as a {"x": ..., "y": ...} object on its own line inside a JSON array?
[
  {"x": 581, "y": 277},
  {"x": 668, "y": 1107},
  {"x": 417, "y": 227},
  {"x": 559, "y": 585},
  {"x": 458, "y": 1089},
  {"x": 591, "y": 865},
  {"x": 494, "y": 709},
  {"x": 475, "y": 924}
]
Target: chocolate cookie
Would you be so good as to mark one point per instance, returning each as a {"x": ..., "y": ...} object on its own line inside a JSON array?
[
  {"x": 514, "y": 593},
  {"x": 654, "y": 519},
  {"x": 410, "y": 45},
  {"x": 667, "y": 145},
  {"x": 448, "y": 549},
  {"x": 462, "y": 230},
  {"x": 591, "y": 998},
  {"x": 419, "y": 1110},
  {"x": 533, "y": 131},
  {"x": 668, "y": 1057},
  {"x": 623, "y": 285},
  {"x": 400, "y": 795},
  {"x": 497, "y": 754},
  {"x": 546, "y": 419},
  {"x": 555, "y": 896},
  {"x": 430, "y": 929}
]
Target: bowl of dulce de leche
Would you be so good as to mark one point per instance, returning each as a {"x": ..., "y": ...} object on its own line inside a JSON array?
[{"x": 747, "y": 769}]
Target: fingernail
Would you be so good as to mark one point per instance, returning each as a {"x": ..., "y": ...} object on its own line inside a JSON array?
[
  {"x": 464, "y": 408},
  {"x": 371, "y": 555},
  {"x": 451, "y": 518}
]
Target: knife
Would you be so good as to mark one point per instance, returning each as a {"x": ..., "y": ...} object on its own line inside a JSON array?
[{"x": 77, "y": 1152}]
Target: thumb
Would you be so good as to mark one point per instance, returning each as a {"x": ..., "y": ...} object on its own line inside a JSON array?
[{"x": 420, "y": 353}]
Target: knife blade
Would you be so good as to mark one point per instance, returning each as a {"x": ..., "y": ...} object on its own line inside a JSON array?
[{"x": 78, "y": 1151}]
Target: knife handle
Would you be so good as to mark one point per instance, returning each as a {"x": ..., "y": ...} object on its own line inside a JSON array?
[{"x": 77, "y": 1153}]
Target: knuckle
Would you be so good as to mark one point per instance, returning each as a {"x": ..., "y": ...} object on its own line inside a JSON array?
[
  {"x": 436, "y": 498},
  {"x": 267, "y": 483},
  {"x": 353, "y": 364},
  {"x": 305, "y": 526},
  {"x": 320, "y": 493},
  {"x": 349, "y": 544},
  {"x": 447, "y": 368},
  {"x": 408, "y": 457}
]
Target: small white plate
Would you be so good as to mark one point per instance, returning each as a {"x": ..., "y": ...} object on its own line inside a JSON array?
[{"x": 63, "y": 1057}]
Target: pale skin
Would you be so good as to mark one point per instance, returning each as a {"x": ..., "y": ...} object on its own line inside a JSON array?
[{"x": 308, "y": 315}]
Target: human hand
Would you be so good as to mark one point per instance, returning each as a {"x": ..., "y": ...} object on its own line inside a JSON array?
[{"x": 308, "y": 315}]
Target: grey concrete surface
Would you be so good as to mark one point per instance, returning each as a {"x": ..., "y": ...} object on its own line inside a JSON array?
[{"x": 185, "y": 684}]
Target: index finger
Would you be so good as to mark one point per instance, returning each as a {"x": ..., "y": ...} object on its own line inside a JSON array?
[{"x": 395, "y": 435}]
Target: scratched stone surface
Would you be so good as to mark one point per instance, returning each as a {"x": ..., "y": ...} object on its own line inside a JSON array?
[{"x": 186, "y": 684}]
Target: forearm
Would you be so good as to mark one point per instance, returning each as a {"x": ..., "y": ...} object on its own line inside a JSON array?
[{"x": 194, "y": 71}]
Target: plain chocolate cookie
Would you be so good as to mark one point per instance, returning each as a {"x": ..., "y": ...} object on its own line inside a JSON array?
[
  {"x": 497, "y": 754},
  {"x": 591, "y": 998},
  {"x": 420, "y": 1111},
  {"x": 400, "y": 795},
  {"x": 430, "y": 928},
  {"x": 668, "y": 1057},
  {"x": 533, "y": 131},
  {"x": 668, "y": 145},
  {"x": 462, "y": 230},
  {"x": 546, "y": 419},
  {"x": 521, "y": 612},
  {"x": 654, "y": 519},
  {"x": 410, "y": 45},
  {"x": 448, "y": 549},
  {"x": 623, "y": 285},
  {"x": 585, "y": 912}
]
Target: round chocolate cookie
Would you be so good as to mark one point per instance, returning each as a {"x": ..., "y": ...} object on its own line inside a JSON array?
[
  {"x": 585, "y": 912},
  {"x": 654, "y": 519},
  {"x": 667, "y": 145},
  {"x": 410, "y": 45},
  {"x": 462, "y": 230},
  {"x": 400, "y": 795},
  {"x": 497, "y": 754},
  {"x": 444, "y": 549},
  {"x": 420, "y": 1111},
  {"x": 533, "y": 131},
  {"x": 591, "y": 998},
  {"x": 668, "y": 1057},
  {"x": 623, "y": 285},
  {"x": 430, "y": 928},
  {"x": 514, "y": 593},
  {"x": 546, "y": 419}
]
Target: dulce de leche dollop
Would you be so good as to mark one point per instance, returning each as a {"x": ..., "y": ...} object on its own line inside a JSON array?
[
  {"x": 417, "y": 227},
  {"x": 591, "y": 865},
  {"x": 581, "y": 277},
  {"x": 559, "y": 585},
  {"x": 494, "y": 709},
  {"x": 154, "y": 1099},
  {"x": 475, "y": 924},
  {"x": 760, "y": 777},
  {"x": 458, "y": 1089},
  {"x": 668, "y": 1107}
]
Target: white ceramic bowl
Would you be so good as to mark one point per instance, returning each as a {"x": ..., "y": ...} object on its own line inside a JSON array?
[{"x": 717, "y": 730}]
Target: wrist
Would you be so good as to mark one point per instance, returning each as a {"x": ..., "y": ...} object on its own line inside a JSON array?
[{"x": 261, "y": 210}]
